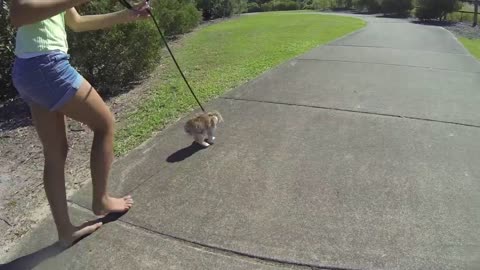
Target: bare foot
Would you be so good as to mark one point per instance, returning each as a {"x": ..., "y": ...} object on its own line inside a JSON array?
[
  {"x": 112, "y": 205},
  {"x": 73, "y": 234}
]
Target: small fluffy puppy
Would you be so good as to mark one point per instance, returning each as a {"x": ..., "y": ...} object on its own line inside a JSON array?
[{"x": 203, "y": 127}]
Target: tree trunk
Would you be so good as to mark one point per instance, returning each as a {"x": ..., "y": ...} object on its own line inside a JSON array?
[{"x": 475, "y": 16}]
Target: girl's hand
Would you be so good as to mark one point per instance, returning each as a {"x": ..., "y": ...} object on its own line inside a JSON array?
[{"x": 139, "y": 11}]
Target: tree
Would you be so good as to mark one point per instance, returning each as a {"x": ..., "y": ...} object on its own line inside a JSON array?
[
  {"x": 399, "y": 7},
  {"x": 370, "y": 5},
  {"x": 436, "y": 9},
  {"x": 212, "y": 9},
  {"x": 475, "y": 16}
]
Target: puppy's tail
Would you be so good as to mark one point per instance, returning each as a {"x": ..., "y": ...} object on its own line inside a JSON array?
[{"x": 189, "y": 128}]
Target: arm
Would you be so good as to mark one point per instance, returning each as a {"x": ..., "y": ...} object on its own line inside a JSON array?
[
  {"x": 24, "y": 12},
  {"x": 79, "y": 23}
]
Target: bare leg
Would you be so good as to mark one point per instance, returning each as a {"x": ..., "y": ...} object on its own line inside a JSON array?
[
  {"x": 88, "y": 107},
  {"x": 50, "y": 127},
  {"x": 200, "y": 139}
]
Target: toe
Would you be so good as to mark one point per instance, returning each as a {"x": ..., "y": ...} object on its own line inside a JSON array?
[
  {"x": 90, "y": 225},
  {"x": 85, "y": 229},
  {"x": 97, "y": 226}
]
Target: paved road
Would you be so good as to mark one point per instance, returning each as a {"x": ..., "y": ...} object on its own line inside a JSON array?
[{"x": 361, "y": 154}]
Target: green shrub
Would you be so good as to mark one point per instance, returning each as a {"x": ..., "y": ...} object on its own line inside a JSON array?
[
  {"x": 400, "y": 7},
  {"x": 332, "y": 4},
  {"x": 275, "y": 5},
  {"x": 343, "y": 4},
  {"x": 308, "y": 7},
  {"x": 323, "y": 4},
  {"x": 259, "y": 2},
  {"x": 7, "y": 37},
  {"x": 306, "y": 4},
  {"x": 285, "y": 5},
  {"x": 369, "y": 5},
  {"x": 212, "y": 9},
  {"x": 436, "y": 9},
  {"x": 176, "y": 16},
  {"x": 253, "y": 7},
  {"x": 460, "y": 17},
  {"x": 239, "y": 6},
  {"x": 267, "y": 6},
  {"x": 111, "y": 59}
]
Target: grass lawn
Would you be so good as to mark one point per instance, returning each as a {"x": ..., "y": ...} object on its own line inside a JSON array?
[
  {"x": 473, "y": 45},
  {"x": 222, "y": 56},
  {"x": 462, "y": 17}
]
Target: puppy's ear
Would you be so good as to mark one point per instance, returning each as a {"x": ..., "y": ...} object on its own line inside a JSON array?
[{"x": 217, "y": 115}]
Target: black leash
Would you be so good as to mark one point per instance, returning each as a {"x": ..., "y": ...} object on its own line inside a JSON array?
[{"x": 128, "y": 6}]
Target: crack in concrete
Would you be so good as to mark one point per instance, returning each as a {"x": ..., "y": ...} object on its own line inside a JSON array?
[
  {"x": 392, "y": 48},
  {"x": 387, "y": 64},
  {"x": 353, "y": 111},
  {"x": 221, "y": 251}
]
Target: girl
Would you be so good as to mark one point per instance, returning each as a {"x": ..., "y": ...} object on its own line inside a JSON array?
[{"x": 53, "y": 89}]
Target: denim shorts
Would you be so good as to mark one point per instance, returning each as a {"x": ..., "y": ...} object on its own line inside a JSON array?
[{"x": 47, "y": 80}]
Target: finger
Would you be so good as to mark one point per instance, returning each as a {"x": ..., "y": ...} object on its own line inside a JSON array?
[{"x": 142, "y": 6}]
